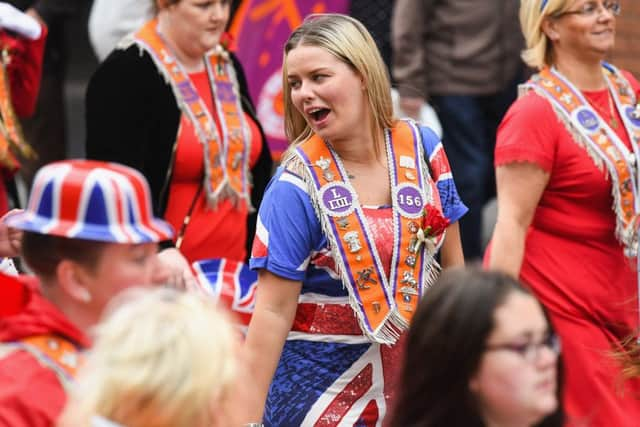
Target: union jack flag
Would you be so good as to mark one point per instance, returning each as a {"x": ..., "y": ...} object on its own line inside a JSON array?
[
  {"x": 231, "y": 283},
  {"x": 358, "y": 379},
  {"x": 91, "y": 200}
]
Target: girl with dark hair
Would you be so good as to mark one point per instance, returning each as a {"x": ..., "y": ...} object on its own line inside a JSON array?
[{"x": 480, "y": 352}]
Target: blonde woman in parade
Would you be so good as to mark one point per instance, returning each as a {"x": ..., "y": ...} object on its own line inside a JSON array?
[
  {"x": 161, "y": 358},
  {"x": 568, "y": 198},
  {"x": 347, "y": 236},
  {"x": 171, "y": 101}
]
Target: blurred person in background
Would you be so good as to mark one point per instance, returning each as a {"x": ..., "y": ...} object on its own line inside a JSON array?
[
  {"x": 480, "y": 352},
  {"x": 88, "y": 233},
  {"x": 22, "y": 43},
  {"x": 464, "y": 61},
  {"x": 568, "y": 198},
  {"x": 46, "y": 130},
  {"x": 111, "y": 20},
  {"x": 160, "y": 358},
  {"x": 172, "y": 102}
]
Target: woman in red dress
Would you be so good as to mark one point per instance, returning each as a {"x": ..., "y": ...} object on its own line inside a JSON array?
[{"x": 568, "y": 198}]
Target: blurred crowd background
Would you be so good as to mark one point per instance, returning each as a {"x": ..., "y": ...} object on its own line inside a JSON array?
[{"x": 81, "y": 62}]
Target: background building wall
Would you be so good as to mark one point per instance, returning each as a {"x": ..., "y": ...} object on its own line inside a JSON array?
[{"x": 627, "y": 50}]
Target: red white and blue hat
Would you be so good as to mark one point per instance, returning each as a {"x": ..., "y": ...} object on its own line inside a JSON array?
[{"x": 91, "y": 200}]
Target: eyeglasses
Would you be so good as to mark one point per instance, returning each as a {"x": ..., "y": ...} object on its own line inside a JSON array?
[
  {"x": 530, "y": 351},
  {"x": 592, "y": 9}
]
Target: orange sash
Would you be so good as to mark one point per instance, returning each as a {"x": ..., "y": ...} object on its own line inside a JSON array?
[
  {"x": 227, "y": 157},
  {"x": 383, "y": 305},
  {"x": 604, "y": 146},
  {"x": 53, "y": 352},
  {"x": 12, "y": 142}
]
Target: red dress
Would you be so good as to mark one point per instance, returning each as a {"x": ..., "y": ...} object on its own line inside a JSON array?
[
  {"x": 572, "y": 260},
  {"x": 211, "y": 233}
]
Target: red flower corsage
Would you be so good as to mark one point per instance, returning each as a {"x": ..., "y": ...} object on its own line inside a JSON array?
[
  {"x": 433, "y": 222},
  {"x": 227, "y": 41},
  {"x": 433, "y": 225}
]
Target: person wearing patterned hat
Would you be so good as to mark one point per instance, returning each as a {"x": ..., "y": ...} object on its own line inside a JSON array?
[
  {"x": 88, "y": 233},
  {"x": 566, "y": 158}
]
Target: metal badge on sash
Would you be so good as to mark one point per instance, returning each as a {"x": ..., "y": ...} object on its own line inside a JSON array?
[
  {"x": 600, "y": 141},
  {"x": 226, "y": 155},
  {"x": 603, "y": 144}
]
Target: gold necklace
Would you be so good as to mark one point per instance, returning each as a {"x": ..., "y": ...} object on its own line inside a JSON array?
[{"x": 614, "y": 120}]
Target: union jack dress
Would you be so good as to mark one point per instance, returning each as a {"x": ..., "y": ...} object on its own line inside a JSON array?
[{"x": 329, "y": 373}]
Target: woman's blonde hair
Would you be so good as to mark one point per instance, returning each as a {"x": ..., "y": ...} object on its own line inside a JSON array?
[
  {"x": 538, "y": 52},
  {"x": 162, "y": 358},
  {"x": 349, "y": 41}
]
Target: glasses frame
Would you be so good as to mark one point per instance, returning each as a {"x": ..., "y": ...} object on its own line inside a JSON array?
[
  {"x": 529, "y": 351},
  {"x": 597, "y": 12}
]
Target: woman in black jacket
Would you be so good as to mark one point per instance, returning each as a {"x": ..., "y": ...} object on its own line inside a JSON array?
[{"x": 172, "y": 102}]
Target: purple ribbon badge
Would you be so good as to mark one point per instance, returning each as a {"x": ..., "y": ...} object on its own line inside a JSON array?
[
  {"x": 337, "y": 199},
  {"x": 410, "y": 201},
  {"x": 587, "y": 119},
  {"x": 189, "y": 95},
  {"x": 633, "y": 114}
]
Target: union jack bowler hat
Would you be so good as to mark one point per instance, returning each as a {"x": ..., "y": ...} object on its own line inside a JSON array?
[{"x": 91, "y": 200}]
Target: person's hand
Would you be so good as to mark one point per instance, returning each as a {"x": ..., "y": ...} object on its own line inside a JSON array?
[
  {"x": 180, "y": 273},
  {"x": 411, "y": 106},
  {"x": 21, "y": 23},
  {"x": 10, "y": 238}
]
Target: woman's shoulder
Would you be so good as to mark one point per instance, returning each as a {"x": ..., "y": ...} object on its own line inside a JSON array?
[
  {"x": 130, "y": 55},
  {"x": 288, "y": 182},
  {"x": 530, "y": 109},
  {"x": 130, "y": 70}
]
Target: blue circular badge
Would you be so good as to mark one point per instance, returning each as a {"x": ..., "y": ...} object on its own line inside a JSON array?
[
  {"x": 410, "y": 200},
  {"x": 587, "y": 119}
]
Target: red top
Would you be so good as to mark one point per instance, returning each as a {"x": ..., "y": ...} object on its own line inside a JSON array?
[
  {"x": 219, "y": 233},
  {"x": 31, "y": 394},
  {"x": 572, "y": 259},
  {"x": 576, "y": 205},
  {"x": 563, "y": 207}
]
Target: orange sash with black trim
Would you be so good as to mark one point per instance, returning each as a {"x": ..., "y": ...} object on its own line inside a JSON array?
[
  {"x": 383, "y": 304},
  {"x": 227, "y": 155}
]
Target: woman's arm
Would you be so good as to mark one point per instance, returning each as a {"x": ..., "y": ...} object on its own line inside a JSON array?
[
  {"x": 276, "y": 304},
  {"x": 519, "y": 187},
  {"x": 451, "y": 252}
]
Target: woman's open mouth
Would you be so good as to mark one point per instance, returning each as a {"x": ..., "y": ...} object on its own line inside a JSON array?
[{"x": 318, "y": 114}]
